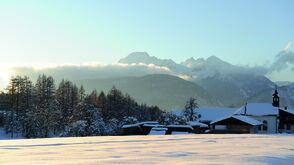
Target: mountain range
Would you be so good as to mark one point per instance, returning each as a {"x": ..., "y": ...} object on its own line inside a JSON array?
[
  {"x": 229, "y": 85},
  {"x": 168, "y": 84}
]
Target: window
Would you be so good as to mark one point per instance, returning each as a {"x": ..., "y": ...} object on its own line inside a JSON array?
[
  {"x": 288, "y": 127},
  {"x": 264, "y": 125},
  {"x": 260, "y": 128}
]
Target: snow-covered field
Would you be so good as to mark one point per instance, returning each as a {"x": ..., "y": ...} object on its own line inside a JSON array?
[{"x": 176, "y": 149}]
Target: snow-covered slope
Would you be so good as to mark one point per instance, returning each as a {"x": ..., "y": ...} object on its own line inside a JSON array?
[
  {"x": 144, "y": 57},
  {"x": 176, "y": 149}
]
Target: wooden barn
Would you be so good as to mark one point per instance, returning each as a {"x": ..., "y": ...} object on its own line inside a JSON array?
[
  {"x": 235, "y": 124},
  {"x": 286, "y": 120}
]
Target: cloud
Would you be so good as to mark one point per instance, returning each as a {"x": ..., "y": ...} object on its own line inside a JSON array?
[
  {"x": 283, "y": 61},
  {"x": 185, "y": 77},
  {"x": 90, "y": 70},
  {"x": 288, "y": 46}
]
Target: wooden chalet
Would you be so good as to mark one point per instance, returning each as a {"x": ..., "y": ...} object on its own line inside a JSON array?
[
  {"x": 286, "y": 120},
  {"x": 235, "y": 124}
]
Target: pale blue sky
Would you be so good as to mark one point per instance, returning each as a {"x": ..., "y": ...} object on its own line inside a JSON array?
[{"x": 75, "y": 31}]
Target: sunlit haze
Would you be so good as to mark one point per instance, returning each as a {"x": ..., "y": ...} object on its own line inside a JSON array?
[{"x": 45, "y": 33}]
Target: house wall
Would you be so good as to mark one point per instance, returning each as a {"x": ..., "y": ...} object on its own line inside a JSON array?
[
  {"x": 233, "y": 129},
  {"x": 288, "y": 128},
  {"x": 286, "y": 124},
  {"x": 271, "y": 123}
]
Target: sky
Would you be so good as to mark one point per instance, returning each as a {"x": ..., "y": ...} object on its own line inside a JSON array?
[{"x": 71, "y": 31}]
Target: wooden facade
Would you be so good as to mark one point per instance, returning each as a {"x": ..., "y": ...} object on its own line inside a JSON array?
[
  {"x": 232, "y": 125},
  {"x": 286, "y": 121}
]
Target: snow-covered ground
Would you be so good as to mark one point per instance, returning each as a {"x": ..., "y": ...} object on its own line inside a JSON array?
[{"x": 176, "y": 149}]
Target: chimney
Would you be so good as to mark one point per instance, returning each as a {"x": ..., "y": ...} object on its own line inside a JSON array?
[{"x": 286, "y": 107}]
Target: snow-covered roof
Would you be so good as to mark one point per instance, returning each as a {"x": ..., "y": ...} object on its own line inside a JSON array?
[
  {"x": 130, "y": 125},
  {"x": 291, "y": 111},
  {"x": 148, "y": 122},
  {"x": 247, "y": 119},
  {"x": 258, "y": 109},
  {"x": 210, "y": 114},
  {"x": 197, "y": 123},
  {"x": 242, "y": 118},
  {"x": 145, "y": 123},
  {"x": 152, "y": 125}
]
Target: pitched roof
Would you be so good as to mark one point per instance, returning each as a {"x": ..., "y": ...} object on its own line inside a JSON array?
[
  {"x": 179, "y": 126},
  {"x": 210, "y": 114},
  {"x": 241, "y": 118},
  {"x": 247, "y": 119},
  {"x": 258, "y": 109},
  {"x": 291, "y": 111},
  {"x": 145, "y": 123},
  {"x": 197, "y": 123}
]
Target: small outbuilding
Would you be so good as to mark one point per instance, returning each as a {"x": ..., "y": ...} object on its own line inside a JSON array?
[
  {"x": 142, "y": 128},
  {"x": 178, "y": 129},
  {"x": 198, "y": 127}
]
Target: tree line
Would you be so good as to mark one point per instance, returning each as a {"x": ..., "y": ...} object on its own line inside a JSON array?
[
  {"x": 40, "y": 110},
  {"x": 43, "y": 110}
]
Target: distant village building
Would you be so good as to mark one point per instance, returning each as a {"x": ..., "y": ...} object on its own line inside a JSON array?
[
  {"x": 286, "y": 120},
  {"x": 154, "y": 128},
  {"x": 207, "y": 115},
  {"x": 142, "y": 128},
  {"x": 178, "y": 129},
  {"x": 198, "y": 127},
  {"x": 266, "y": 113},
  {"x": 257, "y": 118},
  {"x": 262, "y": 118},
  {"x": 235, "y": 124}
]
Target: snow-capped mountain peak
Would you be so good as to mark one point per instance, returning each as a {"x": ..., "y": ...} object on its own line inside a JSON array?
[{"x": 144, "y": 57}]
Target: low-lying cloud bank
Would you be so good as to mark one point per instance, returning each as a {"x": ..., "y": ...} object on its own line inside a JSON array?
[
  {"x": 90, "y": 71},
  {"x": 283, "y": 61}
]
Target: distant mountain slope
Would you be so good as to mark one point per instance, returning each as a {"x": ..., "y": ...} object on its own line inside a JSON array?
[
  {"x": 235, "y": 90},
  {"x": 233, "y": 85},
  {"x": 286, "y": 94},
  {"x": 168, "y": 92}
]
